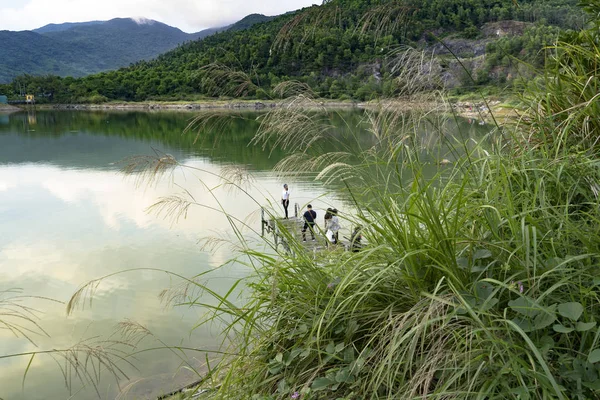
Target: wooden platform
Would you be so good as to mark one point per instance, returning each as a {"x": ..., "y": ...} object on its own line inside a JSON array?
[
  {"x": 293, "y": 229},
  {"x": 284, "y": 230}
]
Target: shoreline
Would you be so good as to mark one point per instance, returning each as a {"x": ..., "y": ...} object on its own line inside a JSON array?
[
  {"x": 191, "y": 105},
  {"x": 467, "y": 109},
  {"x": 7, "y": 109}
]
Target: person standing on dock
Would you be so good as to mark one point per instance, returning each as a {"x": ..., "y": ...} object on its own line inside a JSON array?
[
  {"x": 310, "y": 218},
  {"x": 332, "y": 225},
  {"x": 285, "y": 199}
]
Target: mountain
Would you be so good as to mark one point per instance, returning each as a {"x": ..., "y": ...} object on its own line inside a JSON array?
[
  {"x": 122, "y": 41},
  {"x": 79, "y": 49},
  {"x": 242, "y": 24},
  {"x": 248, "y": 21},
  {"x": 32, "y": 53},
  {"x": 65, "y": 26},
  {"x": 345, "y": 49}
]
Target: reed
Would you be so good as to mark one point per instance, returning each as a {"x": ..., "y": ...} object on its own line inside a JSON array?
[{"x": 480, "y": 281}]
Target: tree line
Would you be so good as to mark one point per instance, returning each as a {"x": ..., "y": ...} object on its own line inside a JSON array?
[{"x": 340, "y": 49}]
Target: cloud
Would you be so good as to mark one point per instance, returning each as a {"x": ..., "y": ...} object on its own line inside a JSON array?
[
  {"x": 188, "y": 15},
  {"x": 5, "y": 186}
]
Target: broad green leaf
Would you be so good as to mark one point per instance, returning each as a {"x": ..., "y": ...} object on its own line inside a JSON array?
[
  {"x": 343, "y": 375},
  {"x": 462, "y": 262},
  {"x": 523, "y": 323},
  {"x": 586, "y": 369},
  {"x": 330, "y": 349},
  {"x": 279, "y": 357},
  {"x": 562, "y": 329},
  {"x": 290, "y": 356},
  {"x": 339, "y": 347},
  {"x": 306, "y": 353},
  {"x": 296, "y": 352},
  {"x": 594, "y": 356},
  {"x": 488, "y": 304},
  {"x": 283, "y": 387},
  {"x": 483, "y": 290},
  {"x": 349, "y": 354},
  {"x": 592, "y": 385},
  {"x": 481, "y": 254},
  {"x": 321, "y": 383},
  {"x": 470, "y": 301},
  {"x": 357, "y": 364},
  {"x": 584, "y": 326},
  {"x": 546, "y": 343},
  {"x": 274, "y": 369},
  {"x": 525, "y": 306},
  {"x": 572, "y": 310},
  {"x": 352, "y": 328},
  {"x": 544, "y": 319}
]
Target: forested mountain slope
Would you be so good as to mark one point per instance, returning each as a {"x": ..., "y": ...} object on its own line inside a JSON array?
[
  {"x": 78, "y": 49},
  {"x": 343, "y": 48},
  {"x": 64, "y": 26}
]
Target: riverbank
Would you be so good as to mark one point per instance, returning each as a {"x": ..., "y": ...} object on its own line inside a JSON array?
[
  {"x": 468, "y": 109},
  {"x": 192, "y": 106},
  {"x": 6, "y": 108}
]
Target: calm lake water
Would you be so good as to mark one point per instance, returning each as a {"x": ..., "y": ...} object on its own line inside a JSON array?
[{"x": 68, "y": 215}]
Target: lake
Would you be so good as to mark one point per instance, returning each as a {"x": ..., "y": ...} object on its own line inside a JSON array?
[{"x": 68, "y": 215}]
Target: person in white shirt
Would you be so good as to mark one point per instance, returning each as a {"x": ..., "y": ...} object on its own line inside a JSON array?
[
  {"x": 332, "y": 225},
  {"x": 285, "y": 199}
]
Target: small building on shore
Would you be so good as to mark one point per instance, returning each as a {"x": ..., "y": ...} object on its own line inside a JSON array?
[{"x": 3, "y": 99}]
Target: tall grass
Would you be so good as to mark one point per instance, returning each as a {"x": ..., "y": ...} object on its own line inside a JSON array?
[
  {"x": 480, "y": 282},
  {"x": 476, "y": 283}
]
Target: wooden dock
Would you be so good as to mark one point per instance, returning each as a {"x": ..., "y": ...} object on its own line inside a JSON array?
[{"x": 286, "y": 230}]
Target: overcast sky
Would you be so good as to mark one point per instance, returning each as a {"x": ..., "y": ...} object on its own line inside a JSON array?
[{"x": 187, "y": 15}]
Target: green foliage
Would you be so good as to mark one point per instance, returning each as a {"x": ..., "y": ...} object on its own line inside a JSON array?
[
  {"x": 87, "y": 48},
  {"x": 529, "y": 48},
  {"x": 479, "y": 282},
  {"x": 564, "y": 100},
  {"x": 337, "y": 48}
]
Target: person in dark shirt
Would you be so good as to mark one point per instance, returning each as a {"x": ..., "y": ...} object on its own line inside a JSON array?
[
  {"x": 355, "y": 239},
  {"x": 310, "y": 217}
]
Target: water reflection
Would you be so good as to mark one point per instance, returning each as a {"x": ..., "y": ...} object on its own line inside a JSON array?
[
  {"x": 100, "y": 139},
  {"x": 68, "y": 216}
]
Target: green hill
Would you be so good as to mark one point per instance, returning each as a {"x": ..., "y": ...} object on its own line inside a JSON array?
[
  {"x": 343, "y": 48},
  {"x": 79, "y": 49}
]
